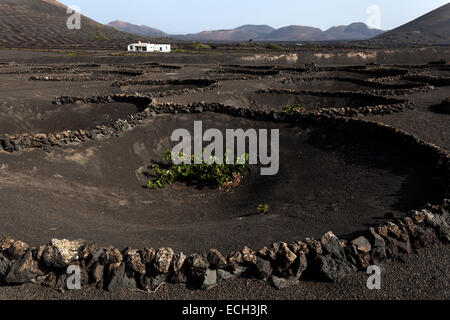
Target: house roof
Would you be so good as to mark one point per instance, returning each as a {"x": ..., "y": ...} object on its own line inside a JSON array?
[{"x": 144, "y": 44}]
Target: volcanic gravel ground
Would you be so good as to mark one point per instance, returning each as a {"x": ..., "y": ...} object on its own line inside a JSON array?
[
  {"x": 426, "y": 124},
  {"x": 326, "y": 182},
  {"x": 421, "y": 277},
  {"x": 242, "y": 93},
  {"x": 26, "y": 106},
  {"x": 320, "y": 186}
]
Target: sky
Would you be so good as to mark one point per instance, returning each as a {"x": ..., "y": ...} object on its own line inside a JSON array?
[{"x": 192, "y": 16}]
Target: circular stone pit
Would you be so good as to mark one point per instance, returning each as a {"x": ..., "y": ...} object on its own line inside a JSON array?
[
  {"x": 379, "y": 86},
  {"x": 327, "y": 180},
  {"x": 322, "y": 100},
  {"x": 72, "y": 116},
  {"x": 164, "y": 88}
]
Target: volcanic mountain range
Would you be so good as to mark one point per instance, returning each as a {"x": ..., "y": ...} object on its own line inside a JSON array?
[
  {"x": 431, "y": 28},
  {"x": 43, "y": 24},
  {"x": 355, "y": 31}
]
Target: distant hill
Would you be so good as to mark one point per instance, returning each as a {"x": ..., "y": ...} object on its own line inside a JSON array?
[
  {"x": 43, "y": 24},
  {"x": 354, "y": 31},
  {"x": 431, "y": 28},
  {"x": 298, "y": 33},
  {"x": 243, "y": 33},
  {"x": 138, "y": 30}
]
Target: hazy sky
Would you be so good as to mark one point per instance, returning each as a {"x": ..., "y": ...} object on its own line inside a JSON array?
[{"x": 191, "y": 16}]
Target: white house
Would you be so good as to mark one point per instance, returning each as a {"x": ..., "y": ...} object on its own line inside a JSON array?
[{"x": 148, "y": 47}]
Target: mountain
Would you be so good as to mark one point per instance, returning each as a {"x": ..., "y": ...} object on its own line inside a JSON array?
[
  {"x": 243, "y": 33},
  {"x": 43, "y": 23},
  {"x": 55, "y": 3},
  {"x": 431, "y": 28},
  {"x": 138, "y": 30},
  {"x": 298, "y": 33},
  {"x": 354, "y": 31}
]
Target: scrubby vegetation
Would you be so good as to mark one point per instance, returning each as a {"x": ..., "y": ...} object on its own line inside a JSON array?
[
  {"x": 199, "y": 46},
  {"x": 181, "y": 51},
  {"x": 203, "y": 174},
  {"x": 263, "y": 208},
  {"x": 294, "y": 108},
  {"x": 100, "y": 36},
  {"x": 128, "y": 54},
  {"x": 274, "y": 47}
]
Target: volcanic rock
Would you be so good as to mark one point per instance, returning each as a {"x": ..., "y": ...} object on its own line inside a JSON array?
[
  {"x": 235, "y": 260},
  {"x": 378, "y": 252},
  {"x": 148, "y": 255},
  {"x": 362, "y": 244},
  {"x": 263, "y": 269},
  {"x": 268, "y": 253},
  {"x": 13, "y": 249},
  {"x": 119, "y": 278},
  {"x": 223, "y": 275},
  {"x": 331, "y": 244},
  {"x": 60, "y": 253},
  {"x": 197, "y": 265},
  {"x": 216, "y": 259},
  {"x": 209, "y": 279},
  {"x": 314, "y": 248},
  {"x": 97, "y": 273},
  {"x": 332, "y": 269},
  {"x": 4, "y": 267},
  {"x": 163, "y": 260},
  {"x": 110, "y": 255},
  {"x": 248, "y": 255},
  {"x": 440, "y": 225},
  {"x": 6, "y": 144},
  {"x": 134, "y": 263},
  {"x": 87, "y": 251},
  {"x": 24, "y": 269},
  {"x": 178, "y": 262}
]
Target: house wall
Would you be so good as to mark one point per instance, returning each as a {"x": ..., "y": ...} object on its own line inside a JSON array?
[
  {"x": 150, "y": 47},
  {"x": 163, "y": 47}
]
